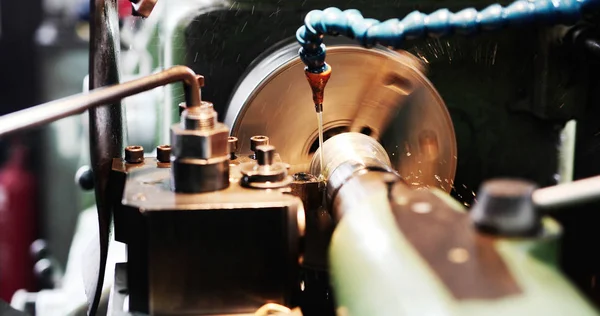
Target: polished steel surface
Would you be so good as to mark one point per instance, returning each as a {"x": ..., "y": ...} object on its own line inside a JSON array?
[
  {"x": 265, "y": 172},
  {"x": 200, "y": 155},
  {"x": 344, "y": 156},
  {"x": 568, "y": 194},
  {"x": 378, "y": 92},
  {"x": 200, "y": 144}
]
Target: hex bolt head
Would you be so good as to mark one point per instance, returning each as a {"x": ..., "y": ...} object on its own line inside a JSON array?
[
  {"x": 232, "y": 144},
  {"x": 134, "y": 154},
  {"x": 265, "y": 154},
  {"x": 163, "y": 153},
  {"x": 258, "y": 140}
]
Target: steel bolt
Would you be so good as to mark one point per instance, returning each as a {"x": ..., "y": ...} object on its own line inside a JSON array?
[
  {"x": 258, "y": 140},
  {"x": 163, "y": 153},
  {"x": 232, "y": 145},
  {"x": 265, "y": 154},
  {"x": 134, "y": 154}
]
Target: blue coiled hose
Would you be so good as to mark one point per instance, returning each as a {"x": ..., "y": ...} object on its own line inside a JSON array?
[{"x": 393, "y": 32}]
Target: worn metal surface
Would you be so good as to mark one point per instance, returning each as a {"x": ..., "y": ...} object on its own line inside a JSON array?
[
  {"x": 389, "y": 99},
  {"x": 461, "y": 257},
  {"x": 228, "y": 251},
  {"x": 319, "y": 224},
  {"x": 200, "y": 156}
]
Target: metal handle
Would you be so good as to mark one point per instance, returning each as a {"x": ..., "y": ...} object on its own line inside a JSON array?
[{"x": 55, "y": 110}]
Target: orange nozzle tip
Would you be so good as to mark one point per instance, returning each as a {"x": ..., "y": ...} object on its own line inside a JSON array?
[{"x": 317, "y": 82}]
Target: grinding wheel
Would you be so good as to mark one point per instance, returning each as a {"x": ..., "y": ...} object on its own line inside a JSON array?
[{"x": 378, "y": 92}]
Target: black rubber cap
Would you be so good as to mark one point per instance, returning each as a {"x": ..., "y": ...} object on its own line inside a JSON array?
[{"x": 504, "y": 207}]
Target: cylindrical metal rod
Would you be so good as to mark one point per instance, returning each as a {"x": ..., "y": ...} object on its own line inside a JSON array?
[
  {"x": 566, "y": 194},
  {"x": 52, "y": 111},
  {"x": 107, "y": 133}
]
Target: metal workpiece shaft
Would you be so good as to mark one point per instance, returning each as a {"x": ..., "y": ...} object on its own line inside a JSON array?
[
  {"x": 567, "y": 194},
  {"x": 346, "y": 155},
  {"x": 52, "y": 111}
]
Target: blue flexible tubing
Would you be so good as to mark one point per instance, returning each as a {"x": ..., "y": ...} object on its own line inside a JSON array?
[{"x": 393, "y": 32}]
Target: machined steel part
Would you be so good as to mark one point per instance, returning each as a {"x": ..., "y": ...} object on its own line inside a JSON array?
[
  {"x": 346, "y": 155},
  {"x": 200, "y": 153},
  {"x": 214, "y": 253},
  {"x": 265, "y": 172},
  {"x": 378, "y": 92}
]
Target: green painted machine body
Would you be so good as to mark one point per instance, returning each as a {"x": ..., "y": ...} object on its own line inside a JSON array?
[{"x": 377, "y": 271}]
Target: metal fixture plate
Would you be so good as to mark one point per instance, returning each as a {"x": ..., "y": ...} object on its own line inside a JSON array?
[
  {"x": 148, "y": 188},
  {"x": 375, "y": 91},
  {"x": 465, "y": 260}
]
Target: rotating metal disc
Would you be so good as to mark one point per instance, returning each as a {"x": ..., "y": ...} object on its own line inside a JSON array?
[{"x": 378, "y": 92}]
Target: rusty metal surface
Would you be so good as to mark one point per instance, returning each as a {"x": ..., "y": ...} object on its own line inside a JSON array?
[{"x": 465, "y": 260}]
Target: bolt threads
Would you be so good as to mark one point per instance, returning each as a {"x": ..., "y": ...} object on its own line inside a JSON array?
[{"x": 202, "y": 117}]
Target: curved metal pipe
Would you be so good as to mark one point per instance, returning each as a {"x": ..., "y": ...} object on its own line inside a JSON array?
[
  {"x": 346, "y": 156},
  {"x": 55, "y": 110}
]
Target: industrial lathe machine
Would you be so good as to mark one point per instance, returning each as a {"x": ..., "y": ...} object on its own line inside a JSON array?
[{"x": 295, "y": 178}]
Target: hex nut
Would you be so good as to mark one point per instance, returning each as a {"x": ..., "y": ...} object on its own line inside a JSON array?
[
  {"x": 134, "y": 154},
  {"x": 163, "y": 153},
  {"x": 200, "y": 144},
  {"x": 258, "y": 140}
]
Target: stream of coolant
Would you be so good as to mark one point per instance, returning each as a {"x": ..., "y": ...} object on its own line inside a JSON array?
[{"x": 320, "y": 123}]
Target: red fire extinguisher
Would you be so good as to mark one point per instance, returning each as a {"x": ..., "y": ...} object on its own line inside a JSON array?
[{"x": 17, "y": 223}]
